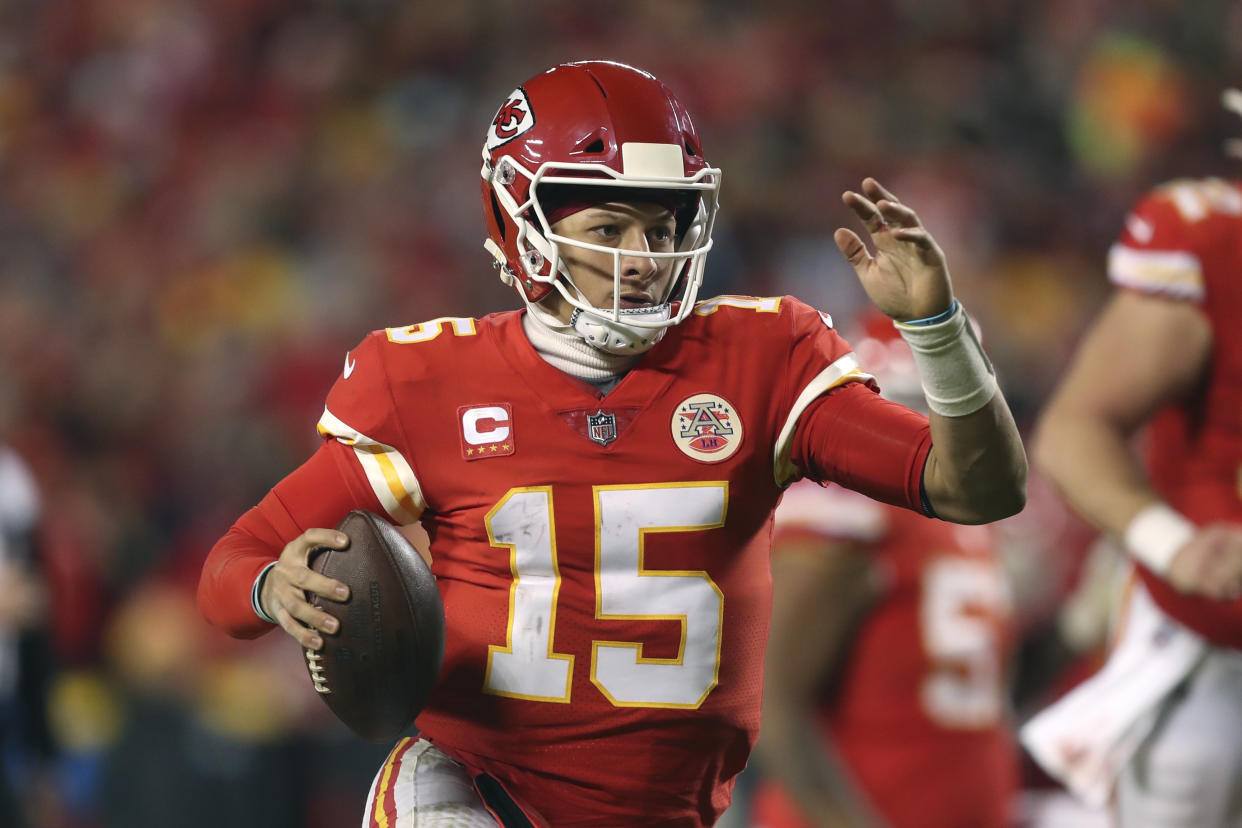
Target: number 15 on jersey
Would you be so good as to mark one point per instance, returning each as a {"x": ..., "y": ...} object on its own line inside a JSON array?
[{"x": 528, "y": 666}]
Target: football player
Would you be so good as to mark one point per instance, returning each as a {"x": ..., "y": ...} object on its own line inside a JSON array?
[
  {"x": 884, "y": 695},
  {"x": 597, "y": 470},
  {"x": 1159, "y": 729}
]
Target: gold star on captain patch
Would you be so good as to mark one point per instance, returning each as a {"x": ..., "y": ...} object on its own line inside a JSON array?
[
  {"x": 494, "y": 448},
  {"x": 505, "y": 447},
  {"x": 469, "y": 452}
]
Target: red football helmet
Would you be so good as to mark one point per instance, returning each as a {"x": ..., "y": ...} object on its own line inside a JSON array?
[{"x": 598, "y": 125}]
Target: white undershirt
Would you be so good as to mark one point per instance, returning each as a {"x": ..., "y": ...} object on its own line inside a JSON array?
[{"x": 563, "y": 348}]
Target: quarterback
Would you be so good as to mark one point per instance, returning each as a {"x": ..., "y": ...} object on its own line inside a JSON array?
[{"x": 597, "y": 470}]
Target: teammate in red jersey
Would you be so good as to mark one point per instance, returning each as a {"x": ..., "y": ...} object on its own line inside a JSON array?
[
  {"x": 884, "y": 699},
  {"x": 597, "y": 471},
  {"x": 1165, "y": 352}
]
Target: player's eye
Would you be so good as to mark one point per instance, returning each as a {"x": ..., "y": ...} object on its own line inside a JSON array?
[
  {"x": 662, "y": 233},
  {"x": 608, "y": 231}
]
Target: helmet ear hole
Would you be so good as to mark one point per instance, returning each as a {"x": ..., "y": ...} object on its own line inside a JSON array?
[{"x": 593, "y": 143}]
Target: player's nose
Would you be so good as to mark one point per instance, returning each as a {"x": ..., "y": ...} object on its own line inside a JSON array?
[{"x": 638, "y": 266}]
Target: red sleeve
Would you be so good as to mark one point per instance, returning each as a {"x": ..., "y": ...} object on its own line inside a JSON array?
[
  {"x": 316, "y": 495},
  {"x": 855, "y": 437}
]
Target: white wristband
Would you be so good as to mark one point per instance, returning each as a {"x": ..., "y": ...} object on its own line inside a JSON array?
[
  {"x": 1155, "y": 535},
  {"x": 957, "y": 377},
  {"x": 256, "y": 589}
]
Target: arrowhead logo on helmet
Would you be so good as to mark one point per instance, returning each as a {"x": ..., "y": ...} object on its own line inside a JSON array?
[{"x": 512, "y": 119}]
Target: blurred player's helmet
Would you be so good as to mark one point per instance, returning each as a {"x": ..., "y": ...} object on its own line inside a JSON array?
[
  {"x": 580, "y": 134},
  {"x": 885, "y": 355}
]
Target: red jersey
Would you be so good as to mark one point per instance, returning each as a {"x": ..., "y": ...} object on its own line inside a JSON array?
[
  {"x": 603, "y": 560},
  {"x": 1184, "y": 241},
  {"x": 918, "y": 713}
]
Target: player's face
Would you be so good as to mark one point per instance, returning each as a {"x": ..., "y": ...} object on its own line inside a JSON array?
[{"x": 632, "y": 226}]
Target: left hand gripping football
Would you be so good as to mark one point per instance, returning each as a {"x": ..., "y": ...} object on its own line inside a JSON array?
[{"x": 908, "y": 277}]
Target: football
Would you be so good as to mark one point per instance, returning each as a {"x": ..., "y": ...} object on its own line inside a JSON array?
[{"x": 378, "y": 670}]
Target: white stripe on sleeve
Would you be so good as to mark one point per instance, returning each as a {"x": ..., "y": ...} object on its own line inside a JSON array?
[
  {"x": 1170, "y": 272},
  {"x": 843, "y": 370},
  {"x": 389, "y": 473}
]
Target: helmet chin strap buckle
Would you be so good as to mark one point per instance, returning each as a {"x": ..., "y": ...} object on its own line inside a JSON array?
[
  {"x": 499, "y": 261},
  {"x": 619, "y": 338}
]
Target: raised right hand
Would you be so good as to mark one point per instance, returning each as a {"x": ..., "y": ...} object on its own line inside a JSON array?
[
  {"x": 1210, "y": 564},
  {"x": 284, "y": 593}
]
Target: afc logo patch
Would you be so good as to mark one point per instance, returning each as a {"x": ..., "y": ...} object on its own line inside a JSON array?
[
  {"x": 512, "y": 119},
  {"x": 707, "y": 428},
  {"x": 486, "y": 431}
]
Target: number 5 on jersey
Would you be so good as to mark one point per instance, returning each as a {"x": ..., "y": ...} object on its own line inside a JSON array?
[{"x": 528, "y": 666}]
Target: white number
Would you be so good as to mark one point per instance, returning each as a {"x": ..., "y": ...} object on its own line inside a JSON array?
[
  {"x": 1196, "y": 199},
  {"x": 770, "y": 304},
  {"x": 626, "y": 589},
  {"x": 961, "y": 605},
  {"x": 429, "y": 330},
  {"x": 528, "y": 666}
]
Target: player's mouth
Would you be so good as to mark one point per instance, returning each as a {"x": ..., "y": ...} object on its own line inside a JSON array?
[{"x": 636, "y": 299}]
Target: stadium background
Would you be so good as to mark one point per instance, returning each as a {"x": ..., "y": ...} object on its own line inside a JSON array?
[{"x": 203, "y": 205}]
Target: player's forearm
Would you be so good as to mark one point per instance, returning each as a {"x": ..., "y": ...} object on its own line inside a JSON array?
[
  {"x": 976, "y": 472},
  {"x": 224, "y": 589},
  {"x": 1090, "y": 460},
  {"x": 315, "y": 495}
]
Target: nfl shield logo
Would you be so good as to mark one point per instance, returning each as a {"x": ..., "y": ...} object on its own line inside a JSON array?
[{"x": 601, "y": 427}]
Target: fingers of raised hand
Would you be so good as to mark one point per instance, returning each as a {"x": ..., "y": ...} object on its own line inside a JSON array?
[
  {"x": 876, "y": 191},
  {"x": 851, "y": 247},
  {"x": 895, "y": 214},
  {"x": 917, "y": 236},
  {"x": 865, "y": 209}
]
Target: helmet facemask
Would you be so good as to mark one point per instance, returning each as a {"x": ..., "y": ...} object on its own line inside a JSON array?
[{"x": 614, "y": 329}]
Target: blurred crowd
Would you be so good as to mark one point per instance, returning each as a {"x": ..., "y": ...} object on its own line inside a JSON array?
[{"x": 204, "y": 205}]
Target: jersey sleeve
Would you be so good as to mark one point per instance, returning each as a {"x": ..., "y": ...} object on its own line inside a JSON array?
[
  {"x": 855, "y": 437},
  {"x": 819, "y": 360},
  {"x": 1169, "y": 236},
  {"x": 315, "y": 495},
  {"x": 362, "y": 415},
  {"x": 808, "y": 511}
]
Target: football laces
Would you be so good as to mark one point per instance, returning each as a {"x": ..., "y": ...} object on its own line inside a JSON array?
[{"x": 314, "y": 662}]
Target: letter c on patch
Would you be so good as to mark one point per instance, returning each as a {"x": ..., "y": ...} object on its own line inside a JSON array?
[{"x": 472, "y": 418}]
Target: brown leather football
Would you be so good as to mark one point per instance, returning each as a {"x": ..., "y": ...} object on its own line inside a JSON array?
[{"x": 378, "y": 670}]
